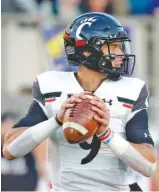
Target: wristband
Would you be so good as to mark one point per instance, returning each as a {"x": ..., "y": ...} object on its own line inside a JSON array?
[
  {"x": 106, "y": 136},
  {"x": 59, "y": 122}
]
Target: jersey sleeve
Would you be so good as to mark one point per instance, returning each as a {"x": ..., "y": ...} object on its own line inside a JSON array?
[
  {"x": 37, "y": 95},
  {"x": 137, "y": 128},
  {"x": 36, "y": 112}
]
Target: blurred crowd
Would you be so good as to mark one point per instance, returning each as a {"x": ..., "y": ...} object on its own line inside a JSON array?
[
  {"x": 27, "y": 173},
  {"x": 37, "y": 10}
]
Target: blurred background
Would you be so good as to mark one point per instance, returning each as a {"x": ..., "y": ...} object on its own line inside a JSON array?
[{"x": 32, "y": 43}]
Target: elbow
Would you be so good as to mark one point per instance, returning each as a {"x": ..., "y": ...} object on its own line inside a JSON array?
[
  {"x": 7, "y": 155},
  {"x": 151, "y": 171},
  {"x": 147, "y": 174}
]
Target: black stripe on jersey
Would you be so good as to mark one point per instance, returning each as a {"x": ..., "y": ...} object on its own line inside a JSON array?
[
  {"x": 52, "y": 94},
  {"x": 37, "y": 93},
  {"x": 142, "y": 98},
  {"x": 125, "y": 100}
]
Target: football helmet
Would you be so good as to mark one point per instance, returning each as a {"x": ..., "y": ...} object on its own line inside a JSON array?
[{"x": 89, "y": 32}]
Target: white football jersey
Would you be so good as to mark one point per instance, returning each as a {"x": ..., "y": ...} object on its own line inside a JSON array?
[{"x": 105, "y": 172}]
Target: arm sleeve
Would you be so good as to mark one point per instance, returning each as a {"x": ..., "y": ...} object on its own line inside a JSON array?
[
  {"x": 35, "y": 113},
  {"x": 137, "y": 130}
]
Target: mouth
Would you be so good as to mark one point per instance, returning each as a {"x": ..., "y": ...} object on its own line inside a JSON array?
[{"x": 117, "y": 63}]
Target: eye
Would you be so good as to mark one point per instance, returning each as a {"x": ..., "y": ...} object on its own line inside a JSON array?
[{"x": 114, "y": 46}]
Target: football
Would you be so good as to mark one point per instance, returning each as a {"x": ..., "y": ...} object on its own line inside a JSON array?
[{"x": 78, "y": 123}]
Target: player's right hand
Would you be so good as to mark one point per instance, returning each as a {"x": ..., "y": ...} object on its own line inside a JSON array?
[{"x": 69, "y": 103}]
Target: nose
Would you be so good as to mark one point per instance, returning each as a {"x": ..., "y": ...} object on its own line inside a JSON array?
[{"x": 120, "y": 52}]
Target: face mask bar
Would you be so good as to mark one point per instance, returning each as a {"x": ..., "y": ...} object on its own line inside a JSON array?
[{"x": 105, "y": 63}]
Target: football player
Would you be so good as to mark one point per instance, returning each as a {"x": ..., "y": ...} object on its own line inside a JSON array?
[{"x": 98, "y": 44}]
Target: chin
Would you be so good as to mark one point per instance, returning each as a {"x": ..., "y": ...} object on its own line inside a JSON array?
[{"x": 117, "y": 65}]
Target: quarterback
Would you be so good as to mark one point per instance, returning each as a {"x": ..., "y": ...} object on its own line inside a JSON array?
[{"x": 98, "y": 44}]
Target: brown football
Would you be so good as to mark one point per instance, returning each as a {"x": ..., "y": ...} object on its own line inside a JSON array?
[{"x": 78, "y": 123}]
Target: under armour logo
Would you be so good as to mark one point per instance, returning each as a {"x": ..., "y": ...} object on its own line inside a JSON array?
[
  {"x": 108, "y": 101},
  {"x": 147, "y": 135},
  {"x": 69, "y": 95},
  {"x": 112, "y": 36}
]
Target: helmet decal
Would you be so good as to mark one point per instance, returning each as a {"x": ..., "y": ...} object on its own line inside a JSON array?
[{"x": 87, "y": 21}]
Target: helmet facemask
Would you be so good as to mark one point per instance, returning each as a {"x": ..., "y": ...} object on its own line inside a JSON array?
[{"x": 105, "y": 63}]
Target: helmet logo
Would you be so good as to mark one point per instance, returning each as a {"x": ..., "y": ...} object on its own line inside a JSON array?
[{"x": 87, "y": 21}]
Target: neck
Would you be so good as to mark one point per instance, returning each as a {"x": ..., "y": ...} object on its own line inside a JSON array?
[{"x": 89, "y": 79}]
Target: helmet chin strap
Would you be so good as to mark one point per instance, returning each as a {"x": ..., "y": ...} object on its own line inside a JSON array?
[
  {"x": 108, "y": 62},
  {"x": 111, "y": 76}
]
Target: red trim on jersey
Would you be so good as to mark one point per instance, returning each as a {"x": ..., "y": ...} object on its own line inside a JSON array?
[
  {"x": 50, "y": 100},
  {"x": 127, "y": 106}
]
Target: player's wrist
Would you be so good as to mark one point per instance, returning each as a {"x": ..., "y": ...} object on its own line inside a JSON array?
[
  {"x": 106, "y": 136},
  {"x": 59, "y": 122},
  {"x": 101, "y": 133}
]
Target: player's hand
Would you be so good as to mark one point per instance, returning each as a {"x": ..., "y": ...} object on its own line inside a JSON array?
[
  {"x": 69, "y": 103},
  {"x": 103, "y": 114}
]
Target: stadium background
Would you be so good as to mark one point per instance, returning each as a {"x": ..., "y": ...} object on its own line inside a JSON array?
[{"x": 32, "y": 43}]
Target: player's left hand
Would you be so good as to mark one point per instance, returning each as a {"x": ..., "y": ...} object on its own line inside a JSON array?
[{"x": 103, "y": 114}]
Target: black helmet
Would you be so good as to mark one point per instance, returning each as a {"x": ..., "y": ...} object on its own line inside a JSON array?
[{"x": 87, "y": 33}]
